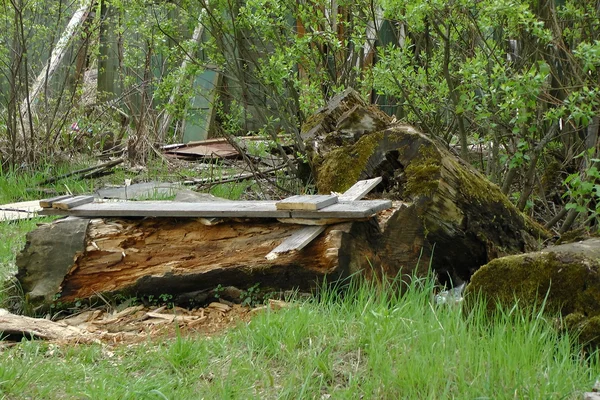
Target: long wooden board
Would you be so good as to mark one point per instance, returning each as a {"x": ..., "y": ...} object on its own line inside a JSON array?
[
  {"x": 21, "y": 210},
  {"x": 235, "y": 209}
]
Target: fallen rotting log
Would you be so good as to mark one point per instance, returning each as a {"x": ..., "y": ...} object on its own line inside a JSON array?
[
  {"x": 454, "y": 218},
  {"x": 184, "y": 258},
  {"x": 78, "y": 258},
  {"x": 562, "y": 279}
]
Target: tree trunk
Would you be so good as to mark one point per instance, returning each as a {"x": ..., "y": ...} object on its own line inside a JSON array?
[
  {"x": 454, "y": 218},
  {"x": 79, "y": 258}
]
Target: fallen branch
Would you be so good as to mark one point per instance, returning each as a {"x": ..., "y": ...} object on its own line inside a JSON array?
[
  {"x": 12, "y": 325},
  {"x": 232, "y": 178},
  {"x": 85, "y": 172}
]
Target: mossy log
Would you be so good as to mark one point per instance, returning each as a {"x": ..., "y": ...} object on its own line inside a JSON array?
[
  {"x": 563, "y": 279},
  {"x": 455, "y": 219},
  {"x": 75, "y": 259}
]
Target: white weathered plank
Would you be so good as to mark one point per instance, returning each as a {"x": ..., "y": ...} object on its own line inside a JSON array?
[
  {"x": 360, "y": 189},
  {"x": 21, "y": 210},
  {"x": 71, "y": 203},
  {"x": 231, "y": 209},
  {"x": 346, "y": 209},
  {"x": 297, "y": 241},
  {"x": 317, "y": 221},
  {"x": 306, "y": 202}
]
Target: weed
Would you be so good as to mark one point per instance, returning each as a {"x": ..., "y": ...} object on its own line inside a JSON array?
[
  {"x": 251, "y": 296},
  {"x": 218, "y": 291}
]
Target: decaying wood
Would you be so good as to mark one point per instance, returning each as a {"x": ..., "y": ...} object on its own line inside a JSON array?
[
  {"x": 174, "y": 256},
  {"x": 16, "y": 326},
  {"x": 453, "y": 219},
  {"x": 48, "y": 256},
  {"x": 444, "y": 215}
]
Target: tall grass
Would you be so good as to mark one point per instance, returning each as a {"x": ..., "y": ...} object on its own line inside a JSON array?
[{"x": 364, "y": 343}]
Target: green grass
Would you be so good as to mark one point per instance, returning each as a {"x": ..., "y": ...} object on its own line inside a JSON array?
[{"x": 364, "y": 344}]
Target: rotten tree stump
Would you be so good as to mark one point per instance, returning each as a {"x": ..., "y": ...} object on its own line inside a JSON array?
[{"x": 455, "y": 219}]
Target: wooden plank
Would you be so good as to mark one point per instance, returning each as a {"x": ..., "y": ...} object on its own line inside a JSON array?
[
  {"x": 235, "y": 209},
  {"x": 306, "y": 202},
  {"x": 72, "y": 202},
  {"x": 297, "y": 241},
  {"x": 21, "y": 210},
  {"x": 346, "y": 209},
  {"x": 360, "y": 189},
  {"x": 304, "y": 236},
  {"x": 47, "y": 203},
  {"x": 317, "y": 221}
]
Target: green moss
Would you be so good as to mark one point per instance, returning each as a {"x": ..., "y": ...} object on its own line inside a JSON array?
[
  {"x": 311, "y": 122},
  {"x": 423, "y": 172},
  {"x": 562, "y": 281},
  {"x": 477, "y": 189},
  {"x": 483, "y": 191},
  {"x": 586, "y": 329},
  {"x": 343, "y": 166},
  {"x": 575, "y": 235}
]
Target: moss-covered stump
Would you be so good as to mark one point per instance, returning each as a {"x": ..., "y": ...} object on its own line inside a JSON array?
[
  {"x": 564, "y": 278},
  {"x": 457, "y": 219}
]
